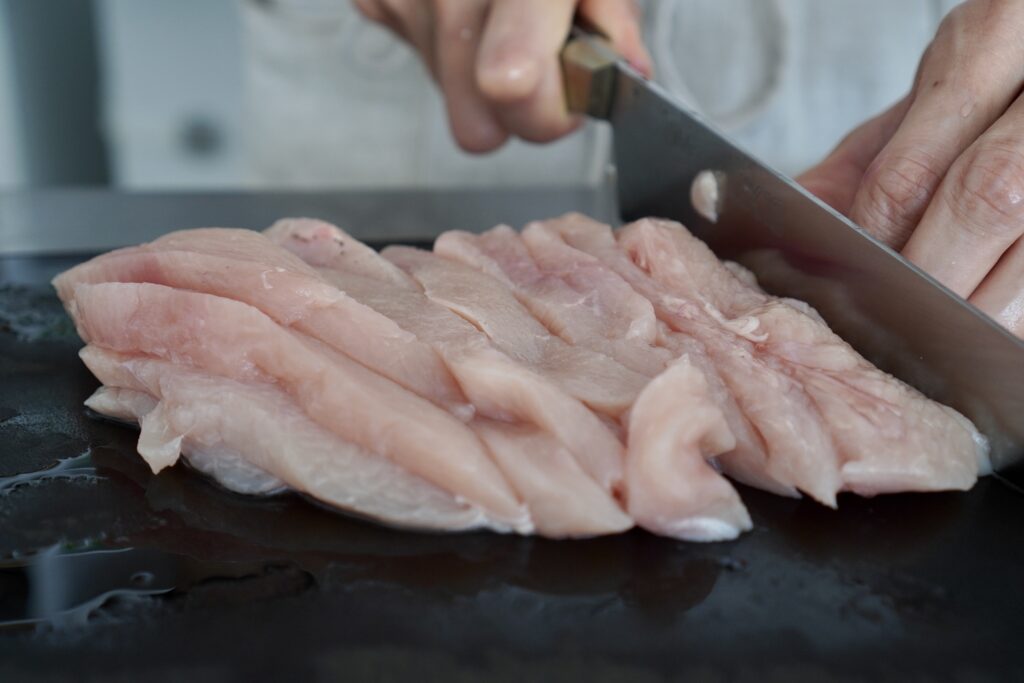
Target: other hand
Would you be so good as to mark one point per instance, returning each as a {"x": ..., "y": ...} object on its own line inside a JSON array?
[{"x": 940, "y": 175}]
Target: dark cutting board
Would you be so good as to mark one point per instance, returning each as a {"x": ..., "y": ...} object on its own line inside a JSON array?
[{"x": 169, "y": 577}]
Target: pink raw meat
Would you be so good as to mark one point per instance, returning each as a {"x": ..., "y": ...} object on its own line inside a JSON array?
[
  {"x": 889, "y": 437},
  {"x": 246, "y": 266},
  {"x": 556, "y": 425},
  {"x": 597, "y": 380},
  {"x": 571, "y": 300},
  {"x": 798, "y": 452},
  {"x": 670, "y": 488},
  {"x": 234, "y": 340},
  {"x": 253, "y": 438}
]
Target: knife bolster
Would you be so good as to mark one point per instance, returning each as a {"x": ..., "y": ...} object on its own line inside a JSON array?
[{"x": 588, "y": 70}]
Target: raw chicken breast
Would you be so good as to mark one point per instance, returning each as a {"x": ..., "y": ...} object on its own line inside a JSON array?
[
  {"x": 246, "y": 266},
  {"x": 252, "y": 438},
  {"x": 621, "y": 307},
  {"x": 233, "y": 340},
  {"x": 499, "y": 387},
  {"x": 569, "y": 299},
  {"x": 505, "y": 390},
  {"x": 670, "y": 488},
  {"x": 797, "y": 452},
  {"x": 570, "y": 380},
  {"x": 889, "y": 437},
  {"x": 597, "y": 380},
  {"x": 695, "y": 502}
]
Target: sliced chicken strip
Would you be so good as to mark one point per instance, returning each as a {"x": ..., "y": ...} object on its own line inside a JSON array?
[
  {"x": 633, "y": 315},
  {"x": 572, "y": 302},
  {"x": 498, "y": 386},
  {"x": 564, "y": 502},
  {"x": 746, "y": 463},
  {"x": 246, "y": 266},
  {"x": 234, "y": 340},
  {"x": 622, "y": 302},
  {"x": 594, "y": 378},
  {"x": 889, "y": 436},
  {"x": 620, "y": 307},
  {"x": 549, "y": 250},
  {"x": 688, "y": 266},
  {"x": 798, "y": 451},
  {"x": 238, "y": 431},
  {"x": 506, "y": 391},
  {"x": 670, "y": 487}
]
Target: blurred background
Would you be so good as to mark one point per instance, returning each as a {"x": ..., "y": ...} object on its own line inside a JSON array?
[
  {"x": 205, "y": 94},
  {"x": 235, "y": 94}
]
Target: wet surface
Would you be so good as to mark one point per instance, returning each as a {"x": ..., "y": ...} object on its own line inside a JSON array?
[{"x": 107, "y": 571}]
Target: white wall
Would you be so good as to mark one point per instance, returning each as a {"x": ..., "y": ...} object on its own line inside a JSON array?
[
  {"x": 168, "y": 68},
  {"x": 11, "y": 154}
]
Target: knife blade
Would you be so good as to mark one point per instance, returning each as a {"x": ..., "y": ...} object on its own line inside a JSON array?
[{"x": 892, "y": 312}]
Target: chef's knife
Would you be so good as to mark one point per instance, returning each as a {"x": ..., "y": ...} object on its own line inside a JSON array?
[{"x": 892, "y": 312}]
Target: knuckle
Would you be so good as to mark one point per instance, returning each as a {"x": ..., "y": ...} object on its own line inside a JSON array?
[
  {"x": 898, "y": 189},
  {"x": 988, "y": 191}
]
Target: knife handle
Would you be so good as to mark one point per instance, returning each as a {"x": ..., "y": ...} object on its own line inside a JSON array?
[{"x": 588, "y": 71}]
